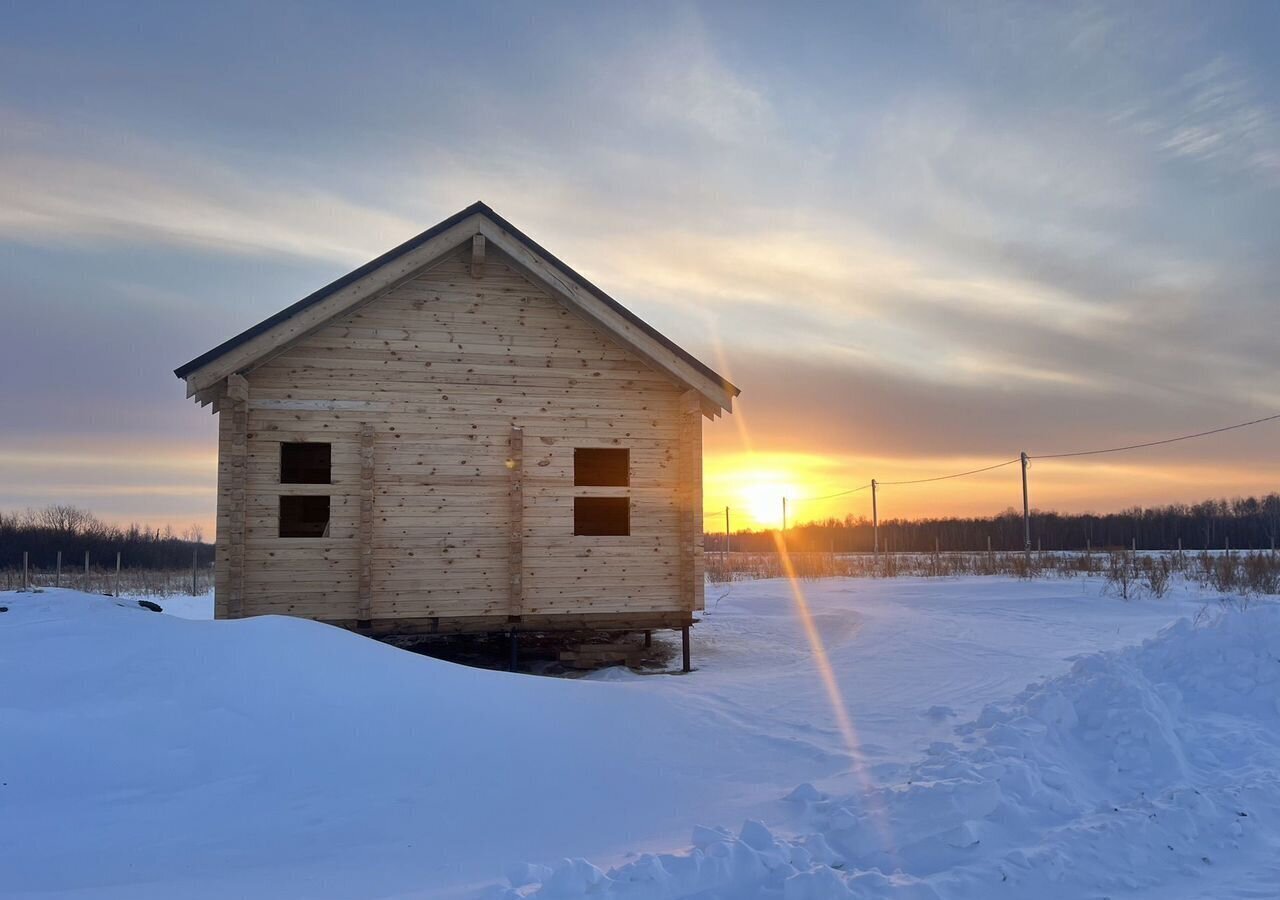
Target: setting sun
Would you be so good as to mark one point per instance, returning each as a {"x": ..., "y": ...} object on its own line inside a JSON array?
[
  {"x": 762, "y": 495},
  {"x": 752, "y": 488}
]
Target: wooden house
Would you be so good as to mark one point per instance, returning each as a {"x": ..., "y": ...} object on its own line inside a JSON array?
[{"x": 462, "y": 435}]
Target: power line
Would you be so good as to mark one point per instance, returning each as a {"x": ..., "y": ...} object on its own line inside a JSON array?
[
  {"x": 1173, "y": 440},
  {"x": 831, "y": 496},
  {"x": 1001, "y": 465},
  {"x": 955, "y": 475}
]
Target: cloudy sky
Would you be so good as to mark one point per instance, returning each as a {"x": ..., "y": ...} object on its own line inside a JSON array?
[{"x": 920, "y": 236}]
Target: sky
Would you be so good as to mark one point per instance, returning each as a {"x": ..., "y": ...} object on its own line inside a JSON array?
[{"x": 921, "y": 237}]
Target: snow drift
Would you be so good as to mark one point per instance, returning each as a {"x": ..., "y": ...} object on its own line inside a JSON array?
[
  {"x": 257, "y": 757},
  {"x": 147, "y": 756},
  {"x": 1139, "y": 768}
]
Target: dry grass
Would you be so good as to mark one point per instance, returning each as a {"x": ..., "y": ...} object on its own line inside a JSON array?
[{"x": 1128, "y": 574}]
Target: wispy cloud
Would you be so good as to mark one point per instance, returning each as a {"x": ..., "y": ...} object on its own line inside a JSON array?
[
  {"x": 127, "y": 189},
  {"x": 1216, "y": 114},
  {"x": 688, "y": 86}
]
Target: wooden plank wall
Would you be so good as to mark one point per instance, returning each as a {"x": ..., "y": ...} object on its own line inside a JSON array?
[
  {"x": 515, "y": 521},
  {"x": 222, "y": 539},
  {"x": 365, "y": 533},
  {"x": 439, "y": 371},
  {"x": 690, "y": 498},
  {"x": 231, "y": 539}
]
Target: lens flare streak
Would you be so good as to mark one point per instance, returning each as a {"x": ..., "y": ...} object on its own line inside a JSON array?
[{"x": 835, "y": 697}]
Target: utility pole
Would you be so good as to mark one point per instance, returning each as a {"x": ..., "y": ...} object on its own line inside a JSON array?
[
  {"x": 875, "y": 524},
  {"x": 784, "y": 516},
  {"x": 1026, "y": 512},
  {"x": 726, "y": 538}
]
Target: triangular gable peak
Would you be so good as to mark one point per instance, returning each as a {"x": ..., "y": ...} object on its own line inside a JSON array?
[{"x": 482, "y": 229}]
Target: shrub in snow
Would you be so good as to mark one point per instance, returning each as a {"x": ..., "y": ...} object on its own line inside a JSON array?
[{"x": 1121, "y": 574}]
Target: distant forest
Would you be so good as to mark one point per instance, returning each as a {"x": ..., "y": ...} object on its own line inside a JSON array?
[
  {"x": 43, "y": 532},
  {"x": 1245, "y": 523},
  {"x": 1248, "y": 523}
]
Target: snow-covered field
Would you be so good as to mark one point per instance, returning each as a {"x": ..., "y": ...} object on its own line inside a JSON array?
[{"x": 996, "y": 739}]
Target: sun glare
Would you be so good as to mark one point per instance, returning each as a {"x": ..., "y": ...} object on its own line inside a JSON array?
[
  {"x": 752, "y": 486},
  {"x": 762, "y": 501}
]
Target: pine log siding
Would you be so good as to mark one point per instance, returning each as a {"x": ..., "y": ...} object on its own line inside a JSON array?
[{"x": 438, "y": 511}]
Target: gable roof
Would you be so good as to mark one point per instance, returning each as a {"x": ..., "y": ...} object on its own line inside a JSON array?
[{"x": 396, "y": 265}]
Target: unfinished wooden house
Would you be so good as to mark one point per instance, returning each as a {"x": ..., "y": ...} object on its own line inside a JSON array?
[{"x": 463, "y": 434}]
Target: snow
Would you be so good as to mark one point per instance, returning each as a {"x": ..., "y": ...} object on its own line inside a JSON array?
[
  {"x": 1024, "y": 738},
  {"x": 186, "y": 607}
]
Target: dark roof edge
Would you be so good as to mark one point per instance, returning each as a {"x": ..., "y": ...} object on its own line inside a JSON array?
[{"x": 355, "y": 275}]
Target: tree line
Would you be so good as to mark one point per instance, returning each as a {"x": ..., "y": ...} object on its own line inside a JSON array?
[
  {"x": 1243, "y": 523},
  {"x": 42, "y": 533}
]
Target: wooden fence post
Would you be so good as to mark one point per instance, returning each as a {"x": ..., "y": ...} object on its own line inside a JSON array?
[
  {"x": 85, "y": 586},
  {"x": 194, "y": 552},
  {"x": 58, "y": 577},
  {"x": 116, "y": 591},
  {"x": 26, "y": 582}
]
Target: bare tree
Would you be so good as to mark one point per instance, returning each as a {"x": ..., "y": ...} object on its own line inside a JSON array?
[
  {"x": 1271, "y": 514},
  {"x": 63, "y": 519}
]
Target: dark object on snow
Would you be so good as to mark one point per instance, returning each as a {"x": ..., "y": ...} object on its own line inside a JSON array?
[
  {"x": 4, "y": 609},
  {"x": 147, "y": 604}
]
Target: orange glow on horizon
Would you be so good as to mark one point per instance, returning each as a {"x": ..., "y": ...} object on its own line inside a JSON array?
[{"x": 752, "y": 485}]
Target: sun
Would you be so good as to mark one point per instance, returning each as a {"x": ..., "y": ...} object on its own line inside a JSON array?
[
  {"x": 752, "y": 485},
  {"x": 760, "y": 496}
]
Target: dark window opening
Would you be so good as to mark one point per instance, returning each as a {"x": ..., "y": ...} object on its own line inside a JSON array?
[
  {"x": 305, "y": 463},
  {"x": 598, "y": 467},
  {"x": 305, "y": 517},
  {"x": 602, "y": 515}
]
